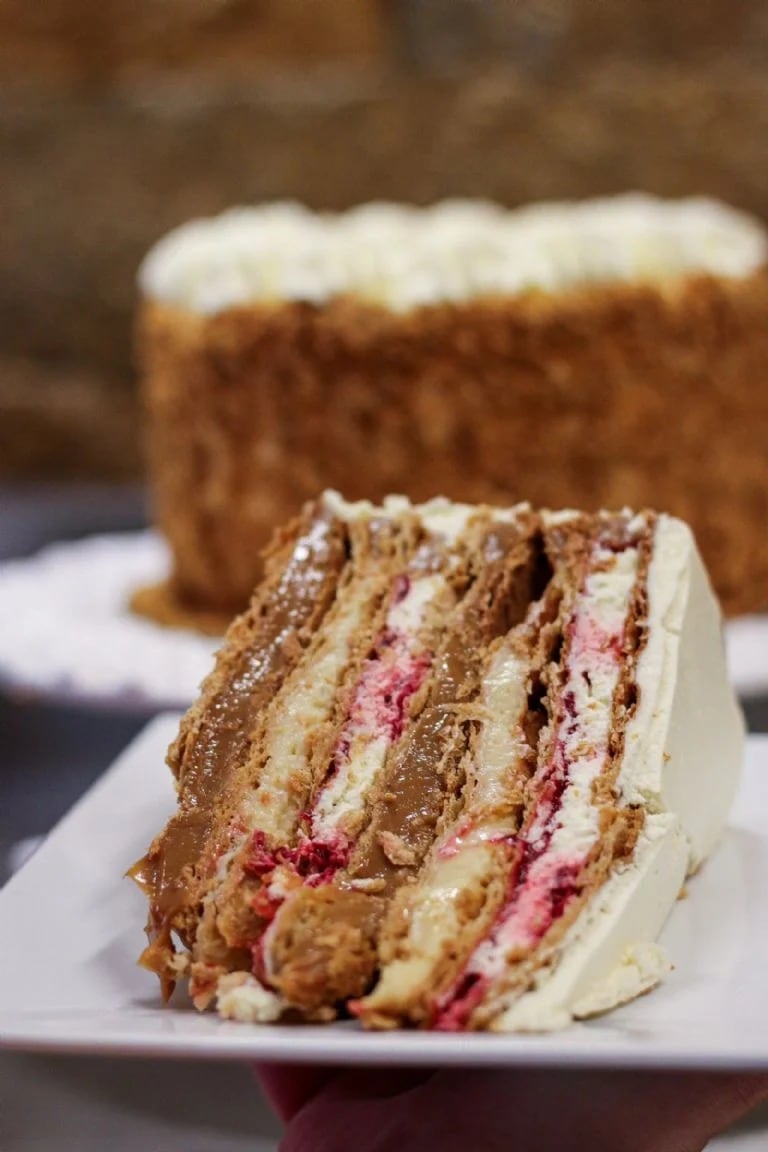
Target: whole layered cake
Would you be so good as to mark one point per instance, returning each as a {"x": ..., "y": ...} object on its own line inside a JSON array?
[
  {"x": 451, "y": 770},
  {"x": 595, "y": 354}
]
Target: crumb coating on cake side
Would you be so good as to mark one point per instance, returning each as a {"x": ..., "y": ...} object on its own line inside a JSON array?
[{"x": 604, "y": 396}]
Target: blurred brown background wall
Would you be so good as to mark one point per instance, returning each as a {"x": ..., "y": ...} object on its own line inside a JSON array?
[{"x": 119, "y": 120}]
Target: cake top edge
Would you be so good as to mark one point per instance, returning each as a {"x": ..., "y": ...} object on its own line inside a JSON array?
[
  {"x": 447, "y": 517},
  {"x": 404, "y": 257}
]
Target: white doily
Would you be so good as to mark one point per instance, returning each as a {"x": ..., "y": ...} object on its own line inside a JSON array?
[{"x": 66, "y": 632}]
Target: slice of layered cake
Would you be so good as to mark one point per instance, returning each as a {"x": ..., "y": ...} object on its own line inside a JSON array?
[{"x": 451, "y": 770}]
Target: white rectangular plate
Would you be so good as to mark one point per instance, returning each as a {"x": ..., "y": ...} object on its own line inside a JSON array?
[{"x": 72, "y": 928}]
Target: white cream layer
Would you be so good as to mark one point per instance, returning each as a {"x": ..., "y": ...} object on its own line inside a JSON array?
[
  {"x": 343, "y": 797},
  {"x": 303, "y": 705},
  {"x": 403, "y": 257}
]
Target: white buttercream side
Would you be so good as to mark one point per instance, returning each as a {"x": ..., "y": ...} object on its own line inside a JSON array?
[
  {"x": 404, "y": 257},
  {"x": 608, "y": 957},
  {"x": 684, "y": 744}
]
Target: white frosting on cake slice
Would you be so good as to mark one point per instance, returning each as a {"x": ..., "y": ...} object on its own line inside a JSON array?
[
  {"x": 404, "y": 257},
  {"x": 684, "y": 744}
]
